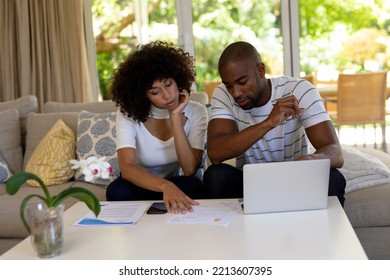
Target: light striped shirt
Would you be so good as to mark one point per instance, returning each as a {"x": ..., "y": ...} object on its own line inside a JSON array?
[{"x": 288, "y": 140}]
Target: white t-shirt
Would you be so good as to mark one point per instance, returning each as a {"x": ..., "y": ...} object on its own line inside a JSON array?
[
  {"x": 288, "y": 140},
  {"x": 157, "y": 156}
]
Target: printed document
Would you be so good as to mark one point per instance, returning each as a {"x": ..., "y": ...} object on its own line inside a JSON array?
[
  {"x": 209, "y": 213},
  {"x": 115, "y": 213}
]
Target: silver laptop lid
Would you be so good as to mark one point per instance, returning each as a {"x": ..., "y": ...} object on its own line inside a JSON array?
[{"x": 286, "y": 186}]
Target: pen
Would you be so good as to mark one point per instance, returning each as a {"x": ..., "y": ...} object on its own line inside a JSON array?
[{"x": 302, "y": 109}]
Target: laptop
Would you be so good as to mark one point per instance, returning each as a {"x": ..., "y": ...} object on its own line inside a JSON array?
[{"x": 286, "y": 186}]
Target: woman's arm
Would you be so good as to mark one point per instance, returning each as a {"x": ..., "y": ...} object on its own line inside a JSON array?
[
  {"x": 189, "y": 158},
  {"x": 175, "y": 200}
]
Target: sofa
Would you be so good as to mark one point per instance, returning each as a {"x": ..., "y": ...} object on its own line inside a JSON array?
[{"x": 24, "y": 129}]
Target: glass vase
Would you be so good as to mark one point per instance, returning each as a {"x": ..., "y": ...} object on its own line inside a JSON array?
[{"x": 46, "y": 226}]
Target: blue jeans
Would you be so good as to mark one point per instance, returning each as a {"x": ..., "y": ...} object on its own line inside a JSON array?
[
  {"x": 226, "y": 181},
  {"x": 121, "y": 189}
]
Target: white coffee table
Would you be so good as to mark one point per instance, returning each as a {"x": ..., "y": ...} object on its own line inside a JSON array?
[{"x": 319, "y": 235}]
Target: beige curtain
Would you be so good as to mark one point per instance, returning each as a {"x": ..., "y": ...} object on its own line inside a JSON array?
[{"x": 44, "y": 51}]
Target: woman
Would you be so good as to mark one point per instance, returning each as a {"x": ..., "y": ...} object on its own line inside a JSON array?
[{"x": 161, "y": 135}]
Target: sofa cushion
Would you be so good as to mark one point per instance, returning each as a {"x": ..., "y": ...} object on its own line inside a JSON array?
[
  {"x": 51, "y": 159},
  {"x": 200, "y": 97},
  {"x": 38, "y": 125},
  {"x": 25, "y": 105},
  {"x": 10, "y": 140},
  {"x": 5, "y": 173},
  {"x": 375, "y": 242},
  {"x": 369, "y": 207},
  {"x": 96, "y": 107},
  {"x": 96, "y": 136}
]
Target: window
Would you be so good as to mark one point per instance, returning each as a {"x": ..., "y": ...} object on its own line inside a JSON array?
[{"x": 204, "y": 29}]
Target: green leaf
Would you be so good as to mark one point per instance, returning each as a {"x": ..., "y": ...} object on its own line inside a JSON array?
[
  {"x": 23, "y": 206},
  {"x": 16, "y": 181},
  {"x": 81, "y": 194}
]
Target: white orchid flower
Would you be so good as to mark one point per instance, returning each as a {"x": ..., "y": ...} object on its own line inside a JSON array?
[{"x": 93, "y": 168}]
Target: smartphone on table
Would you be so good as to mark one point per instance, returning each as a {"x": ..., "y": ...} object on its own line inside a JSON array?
[{"x": 157, "y": 208}]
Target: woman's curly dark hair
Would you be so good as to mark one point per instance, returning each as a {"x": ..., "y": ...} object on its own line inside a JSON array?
[{"x": 145, "y": 65}]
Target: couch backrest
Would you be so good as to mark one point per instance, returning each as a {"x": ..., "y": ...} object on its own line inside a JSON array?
[
  {"x": 25, "y": 105},
  {"x": 95, "y": 107},
  {"x": 13, "y": 130}
]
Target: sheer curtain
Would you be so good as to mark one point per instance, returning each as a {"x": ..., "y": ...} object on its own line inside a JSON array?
[{"x": 47, "y": 50}]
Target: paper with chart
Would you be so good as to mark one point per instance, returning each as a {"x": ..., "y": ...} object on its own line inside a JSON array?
[
  {"x": 115, "y": 213},
  {"x": 220, "y": 213}
]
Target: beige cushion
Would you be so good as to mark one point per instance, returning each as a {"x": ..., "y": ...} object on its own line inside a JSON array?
[
  {"x": 96, "y": 107},
  {"x": 200, "y": 97},
  {"x": 25, "y": 105},
  {"x": 10, "y": 140},
  {"x": 369, "y": 207},
  {"x": 51, "y": 159},
  {"x": 39, "y": 124},
  {"x": 375, "y": 242},
  {"x": 96, "y": 136}
]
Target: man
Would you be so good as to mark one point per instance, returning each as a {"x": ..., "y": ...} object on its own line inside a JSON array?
[{"x": 255, "y": 119}]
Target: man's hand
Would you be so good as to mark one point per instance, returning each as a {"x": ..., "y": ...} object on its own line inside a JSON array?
[{"x": 283, "y": 109}]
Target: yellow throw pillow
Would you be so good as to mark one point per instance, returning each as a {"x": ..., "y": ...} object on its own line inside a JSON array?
[{"x": 50, "y": 160}]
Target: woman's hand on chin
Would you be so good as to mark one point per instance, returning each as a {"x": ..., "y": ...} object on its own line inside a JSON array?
[{"x": 184, "y": 98}]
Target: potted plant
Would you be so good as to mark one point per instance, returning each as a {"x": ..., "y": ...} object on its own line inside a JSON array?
[{"x": 46, "y": 216}]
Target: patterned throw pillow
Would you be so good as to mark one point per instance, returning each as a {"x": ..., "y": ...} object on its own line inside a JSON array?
[
  {"x": 96, "y": 136},
  {"x": 5, "y": 173},
  {"x": 51, "y": 159}
]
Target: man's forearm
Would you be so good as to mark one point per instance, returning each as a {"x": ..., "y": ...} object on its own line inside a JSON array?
[{"x": 228, "y": 146}]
